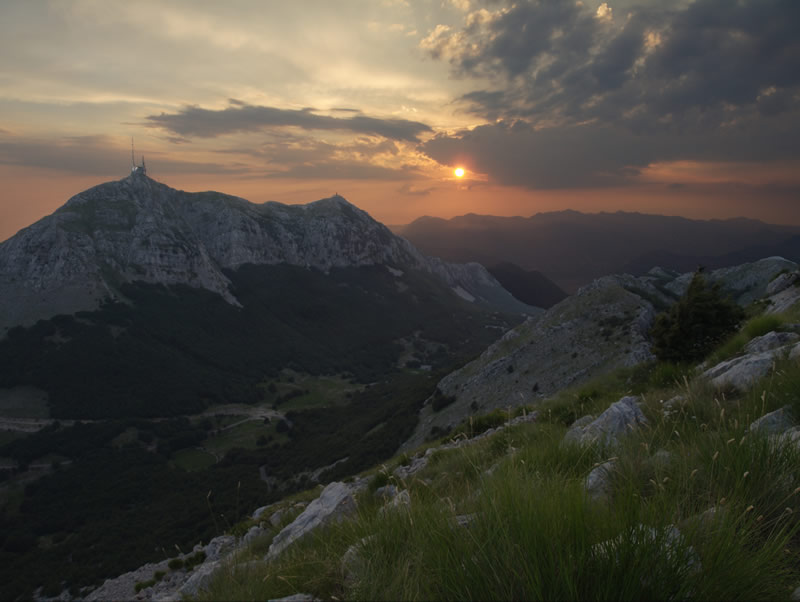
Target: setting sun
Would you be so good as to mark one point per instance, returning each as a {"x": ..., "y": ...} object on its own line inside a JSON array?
[{"x": 459, "y": 172}]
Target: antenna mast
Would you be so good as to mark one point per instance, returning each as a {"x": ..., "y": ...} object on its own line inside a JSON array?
[{"x": 133, "y": 158}]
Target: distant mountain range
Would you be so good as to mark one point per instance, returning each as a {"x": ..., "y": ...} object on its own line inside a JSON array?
[{"x": 574, "y": 248}]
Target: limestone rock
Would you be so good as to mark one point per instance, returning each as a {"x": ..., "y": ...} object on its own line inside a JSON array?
[
  {"x": 773, "y": 423},
  {"x": 598, "y": 482},
  {"x": 252, "y": 534},
  {"x": 672, "y": 405},
  {"x": 387, "y": 492},
  {"x": 219, "y": 547},
  {"x": 771, "y": 340},
  {"x": 743, "y": 283},
  {"x": 742, "y": 372},
  {"x": 619, "y": 419},
  {"x": 601, "y": 327},
  {"x": 201, "y": 578},
  {"x": 781, "y": 282},
  {"x": 137, "y": 229},
  {"x": 334, "y": 504},
  {"x": 402, "y": 501}
]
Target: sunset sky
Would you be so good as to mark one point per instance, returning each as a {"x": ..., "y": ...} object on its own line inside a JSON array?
[{"x": 673, "y": 107}]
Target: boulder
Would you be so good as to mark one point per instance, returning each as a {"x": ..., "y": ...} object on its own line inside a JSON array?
[
  {"x": 387, "y": 492},
  {"x": 201, "y": 578},
  {"x": 742, "y": 372},
  {"x": 252, "y": 534},
  {"x": 773, "y": 423},
  {"x": 401, "y": 501},
  {"x": 598, "y": 482},
  {"x": 353, "y": 561},
  {"x": 417, "y": 464},
  {"x": 771, "y": 340},
  {"x": 672, "y": 405},
  {"x": 781, "y": 282},
  {"x": 219, "y": 547},
  {"x": 334, "y": 504},
  {"x": 789, "y": 437},
  {"x": 620, "y": 418}
]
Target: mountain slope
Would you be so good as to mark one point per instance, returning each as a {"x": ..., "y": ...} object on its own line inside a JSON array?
[
  {"x": 208, "y": 295},
  {"x": 602, "y": 327},
  {"x": 529, "y": 286}
]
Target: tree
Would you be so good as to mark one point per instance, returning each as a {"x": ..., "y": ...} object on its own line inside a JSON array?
[{"x": 695, "y": 324}]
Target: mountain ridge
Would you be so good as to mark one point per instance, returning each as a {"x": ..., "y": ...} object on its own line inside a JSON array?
[
  {"x": 138, "y": 229},
  {"x": 573, "y": 248}
]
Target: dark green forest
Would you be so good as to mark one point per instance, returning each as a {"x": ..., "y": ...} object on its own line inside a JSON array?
[
  {"x": 176, "y": 350},
  {"x": 141, "y": 366}
]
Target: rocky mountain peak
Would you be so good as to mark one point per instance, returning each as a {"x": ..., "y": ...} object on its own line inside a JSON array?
[{"x": 138, "y": 229}]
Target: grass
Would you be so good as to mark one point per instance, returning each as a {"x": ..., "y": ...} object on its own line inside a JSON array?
[
  {"x": 243, "y": 435},
  {"x": 193, "y": 459},
  {"x": 754, "y": 327},
  {"x": 533, "y": 533},
  {"x": 312, "y": 391}
]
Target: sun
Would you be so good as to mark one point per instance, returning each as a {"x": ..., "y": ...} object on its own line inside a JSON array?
[{"x": 459, "y": 171}]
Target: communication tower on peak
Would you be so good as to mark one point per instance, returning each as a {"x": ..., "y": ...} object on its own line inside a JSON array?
[{"x": 140, "y": 169}]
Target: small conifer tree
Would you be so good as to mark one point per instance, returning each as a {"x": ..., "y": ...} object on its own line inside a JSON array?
[{"x": 695, "y": 324}]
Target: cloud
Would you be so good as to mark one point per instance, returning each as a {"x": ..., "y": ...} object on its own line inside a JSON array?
[
  {"x": 588, "y": 96},
  {"x": 594, "y": 154},
  {"x": 93, "y": 155},
  {"x": 562, "y": 60},
  {"x": 195, "y": 121},
  {"x": 411, "y": 190}
]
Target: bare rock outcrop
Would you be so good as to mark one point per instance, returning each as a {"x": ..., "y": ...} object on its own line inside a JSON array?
[
  {"x": 619, "y": 419},
  {"x": 335, "y": 503}
]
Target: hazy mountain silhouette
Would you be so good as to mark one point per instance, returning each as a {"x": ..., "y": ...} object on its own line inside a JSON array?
[
  {"x": 573, "y": 248},
  {"x": 529, "y": 286}
]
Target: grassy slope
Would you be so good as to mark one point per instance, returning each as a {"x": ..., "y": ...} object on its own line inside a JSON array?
[{"x": 535, "y": 534}]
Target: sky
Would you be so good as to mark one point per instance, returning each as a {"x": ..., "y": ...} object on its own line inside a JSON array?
[{"x": 659, "y": 106}]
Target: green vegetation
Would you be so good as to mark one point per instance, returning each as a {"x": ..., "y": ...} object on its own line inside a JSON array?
[
  {"x": 755, "y": 327},
  {"x": 695, "y": 324},
  {"x": 531, "y": 532},
  {"x": 198, "y": 350},
  {"x": 122, "y": 500}
]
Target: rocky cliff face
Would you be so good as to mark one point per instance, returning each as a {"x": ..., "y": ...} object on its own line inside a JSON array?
[
  {"x": 601, "y": 327},
  {"x": 139, "y": 229}
]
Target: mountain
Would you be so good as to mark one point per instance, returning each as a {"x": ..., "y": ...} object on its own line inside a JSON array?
[
  {"x": 137, "y": 229},
  {"x": 529, "y": 286},
  {"x": 573, "y": 248},
  {"x": 602, "y": 327},
  {"x": 170, "y": 359},
  {"x": 209, "y": 295}
]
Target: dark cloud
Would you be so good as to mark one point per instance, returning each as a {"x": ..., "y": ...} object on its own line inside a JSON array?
[
  {"x": 553, "y": 58},
  {"x": 240, "y": 117},
  {"x": 603, "y": 154},
  {"x": 586, "y": 99}
]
